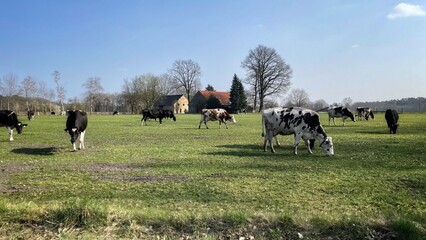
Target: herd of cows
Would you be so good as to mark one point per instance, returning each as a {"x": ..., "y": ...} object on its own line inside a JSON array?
[{"x": 303, "y": 123}]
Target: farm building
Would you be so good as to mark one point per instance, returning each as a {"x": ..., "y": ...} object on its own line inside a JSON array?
[
  {"x": 176, "y": 103},
  {"x": 201, "y": 98}
]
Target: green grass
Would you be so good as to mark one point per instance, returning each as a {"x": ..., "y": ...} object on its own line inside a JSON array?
[{"x": 176, "y": 180}]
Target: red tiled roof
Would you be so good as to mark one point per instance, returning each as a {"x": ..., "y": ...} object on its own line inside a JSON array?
[{"x": 222, "y": 96}]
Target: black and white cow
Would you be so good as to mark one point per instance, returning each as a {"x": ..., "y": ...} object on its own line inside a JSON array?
[
  {"x": 9, "y": 119},
  {"x": 76, "y": 125},
  {"x": 115, "y": 113},
  {"x": 154, "y": 114},
  {"x": 266, "y": 123},
  {"x": 301, "y": 122},
  {"x": 30, "y": 115},
  {"x": 216, "y": 114},
  {"x": 364, "y": 113},
  {"x": 342, "y": 112},
  {"x": 392, "y": 118}
]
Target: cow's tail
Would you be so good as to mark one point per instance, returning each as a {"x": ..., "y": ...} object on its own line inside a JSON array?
[{"x": 263, "y": 127}]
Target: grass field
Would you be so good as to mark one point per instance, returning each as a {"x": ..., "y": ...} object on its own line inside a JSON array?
[{"x": 177, "y": 181}]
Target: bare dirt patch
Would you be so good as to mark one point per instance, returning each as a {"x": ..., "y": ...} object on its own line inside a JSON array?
[{"x": 5, "y": 172}]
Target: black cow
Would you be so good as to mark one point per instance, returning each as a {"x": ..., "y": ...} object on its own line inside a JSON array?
[
  {"x": 76, "y": 125},
  {"x": 30, "y": 115},
  {"x": 342, "y": 112},
  {"x": 10, "y": 120},
  {"x": 169, "y": 114},
  {"x": 53, "y": 113},
  {"x": 153, "y": 114},
  {"x": 115, "y": 113},
  {"x": 392, "y": 119}
]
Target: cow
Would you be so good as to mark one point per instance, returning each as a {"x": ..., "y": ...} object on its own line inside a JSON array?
[
  {"x": 266, "y": 124},
  {"x": 216, "y": 114},
  {"x": 53, "y": 113},
  {"x": 342, "y": 112},
  {"x": 392, "y": 117},
  {"x": 115, "y": 113},
  {"x": 153, "y": 114},
  {"x": 301, "y": 122},
  {"x": 364, "y": 113},
  {"x": 9, "y": 119},
  {"x": 76, "y": 125},
  {"x": 169, "y": 114},
  {"x": 30, "y": 115}
]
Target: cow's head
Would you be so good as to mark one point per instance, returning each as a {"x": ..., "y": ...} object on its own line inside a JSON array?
[
  {"x": 73, "y": 134},
  {"x": 19, "y": 126},
  {"x": 327, "y": 146},
  {"x": 393, "y": 128},
  {"x": 232, "y": 120}
]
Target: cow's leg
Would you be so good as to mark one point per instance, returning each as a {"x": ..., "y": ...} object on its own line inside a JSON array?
[
  {"x": 268, "y": 138},
  {"x": 297, "y": 137},
  {"x": 334, "y": 121},
  {"x": 205, "y": 123},
  {"x": 343, "y": 120},
  {"x": 276, "y": 140},
  {"x": 308, "y": 144},
  {"x": 82, "y": 139},
  {"x": 10, "y": 131},
  {"x": 161, "y": 120},
  {"x": 226, "y": 125}
]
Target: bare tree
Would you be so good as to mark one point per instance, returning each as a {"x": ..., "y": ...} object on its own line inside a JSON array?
[
  {"x": 29, "y": 89},
  {"x": 319, "y": 105},
  {"x": 60, "y": 89},
  {"x": 10, "y": 87},
  {"x": 186, "y": 75},
  {"x": 94, "y": 89},
  {"x": 166, "y": 84},
  {"x": 298, "y": 97},
  {"x": 347, "y": 102},
  {"x": 267, "y": 73}
]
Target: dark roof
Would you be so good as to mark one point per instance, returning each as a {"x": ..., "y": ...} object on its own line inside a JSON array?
[{"x": 169, "y": 100}]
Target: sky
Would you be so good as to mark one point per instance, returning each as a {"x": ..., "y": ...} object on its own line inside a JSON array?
[{"x": 365, "y": 50}]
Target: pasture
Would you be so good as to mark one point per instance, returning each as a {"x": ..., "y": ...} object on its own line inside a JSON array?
[{"x": 177, "y": 181}]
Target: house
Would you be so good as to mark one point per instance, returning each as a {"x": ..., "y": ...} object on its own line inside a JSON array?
[
  {"x": 199, "y": 101},
  {"x": 176, "y": 103}
]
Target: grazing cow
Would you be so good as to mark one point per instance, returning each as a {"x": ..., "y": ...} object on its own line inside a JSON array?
[
  {"x": 30, "y": 115},
  {"x": 115, "y": 113},
  {"x": 153, "y": 114},
  {"x": 76, "y": 125},
  {"x": 53, "y": 113},
  {"x": 303, "y": 123},
  {"x": 364, "y": 113},
  {"x": 342, "y": 112},
  {"x": 10, "y": 120},
  {"x": 169, "y": 114},
  {"x": 392, "y": 117},
  {"x": 266, "y": 124},
  {"x": 217, "y": 114}
]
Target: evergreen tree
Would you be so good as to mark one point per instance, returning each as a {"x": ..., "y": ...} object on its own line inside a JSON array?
[
  {"x": 210, "y": 88},
  {"x": 238, "y": 97}
]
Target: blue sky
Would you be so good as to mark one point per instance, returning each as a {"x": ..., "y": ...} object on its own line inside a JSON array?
[{"x": 366, "y": 50}]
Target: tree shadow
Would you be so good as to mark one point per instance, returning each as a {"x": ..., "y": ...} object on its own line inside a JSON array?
[{"x": 35, "y": 151}]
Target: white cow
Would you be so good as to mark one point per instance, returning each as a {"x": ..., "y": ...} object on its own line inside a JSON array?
[{"x": 301, "y": 122}]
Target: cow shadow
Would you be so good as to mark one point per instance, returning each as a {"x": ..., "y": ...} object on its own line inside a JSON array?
[{"x": 35, "y": 151}]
